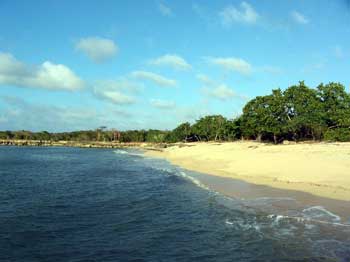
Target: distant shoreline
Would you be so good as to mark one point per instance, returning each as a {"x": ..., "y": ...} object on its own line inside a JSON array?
[{"x": 81, "y": 144}]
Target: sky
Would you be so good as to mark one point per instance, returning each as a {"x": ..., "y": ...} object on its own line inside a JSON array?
[{"x": 77, "y": 65}]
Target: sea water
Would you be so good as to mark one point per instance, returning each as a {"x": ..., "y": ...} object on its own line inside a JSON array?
[{"x": 72, "y": 204}]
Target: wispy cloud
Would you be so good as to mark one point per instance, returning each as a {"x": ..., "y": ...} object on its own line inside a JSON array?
[
  {"x": 164, "y": 9},
  {"x": 216, "y": 90},
  {"x": 37, "y": 117},
  {"x": 171, "y": 60},
  {"x": 115, "y": 97},
  {"x": 243, "y": 14},
  {"x": 116, "y": 91},
  {"x": 155, "y": 78},
  {"x": 222, "y": 92},
  {"x": 205, "y": 79},
  {"x": 21, "y": 114},
  {"x": 232, "y": 64},
  {"x": 122, "y": 84},
  {"x": 299, "y": 18},
  {"x": 162, "y": 104},
  {"x": 47, "y": 75},
  {"x": 98, "y": 49}
]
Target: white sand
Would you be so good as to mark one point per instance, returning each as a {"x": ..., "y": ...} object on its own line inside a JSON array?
[{"x": 322, "y": 169}]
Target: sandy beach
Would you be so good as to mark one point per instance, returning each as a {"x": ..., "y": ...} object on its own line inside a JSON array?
[{"x": 321, "y": 169}]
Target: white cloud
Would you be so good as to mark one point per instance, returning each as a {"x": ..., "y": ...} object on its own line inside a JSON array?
[
  {"x": 222, "y": 92},
  {"x": 171, "y": 60},
  {"x": 245, "y": 14},
  {"x": 162, "y": 104},
  {"x": 38, "y": 117},
  {"x": 299, "y": 18},
  {"x": 121, "y": 84},
  {"x": 155, "y": 78},
  {"x": 164, "y": 9},
  {"x": 205, "y": 79},
  {"x": 231, "y": 63},
  {"x": 97, "y": 49},
  {"x": 47, "y": 75},
  {"x": 115, "y": 97},
  {"x": 116, "y": 91},
  {"x": 216, "y": 90},
  {"x": 22, "y": 114}
]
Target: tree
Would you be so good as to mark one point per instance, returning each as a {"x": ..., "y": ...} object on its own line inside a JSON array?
[
  {"x": 232, "y": 129},
  {"x": 336, "y": 105},
  {"x": 265, "y": 116},
  {"x": 304, "y": 112},
  {"x": 156, "y": 136},
  {"x": 210, "y": 128},
  {"x": 181, "y": 133}
]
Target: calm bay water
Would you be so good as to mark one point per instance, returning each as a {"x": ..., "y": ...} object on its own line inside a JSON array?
[{"x": 71, "y": 204}]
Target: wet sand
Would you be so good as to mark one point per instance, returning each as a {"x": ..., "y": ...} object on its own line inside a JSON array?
[
  {"x": 301, "y": 175},
  {"x": 283, "y": 200}
]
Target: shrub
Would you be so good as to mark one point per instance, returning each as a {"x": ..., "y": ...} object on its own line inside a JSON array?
[{"x": 338, "y": 134}]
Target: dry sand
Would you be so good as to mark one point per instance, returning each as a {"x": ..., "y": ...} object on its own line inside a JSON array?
[{"x": 322, "y": 169}]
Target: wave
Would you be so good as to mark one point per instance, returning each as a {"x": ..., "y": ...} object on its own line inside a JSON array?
[
  {"x": 124, "y": 152},
  {"x": 244, "y": 225},
  {"x": 317, "y": 212},
  {"x": 182, "y": 174},
  {"x": 193, "y": 180},
  {"x": 308, "y": 217},
  {"x": 166, "y": 167}
]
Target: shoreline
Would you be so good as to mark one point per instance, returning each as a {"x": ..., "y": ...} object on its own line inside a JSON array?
[
  {"x": 218, "y": 162},
  {"x": 283, "y": 201},
  {"x": 253, "y": 163},
  {"x": 82, "y": 144}
]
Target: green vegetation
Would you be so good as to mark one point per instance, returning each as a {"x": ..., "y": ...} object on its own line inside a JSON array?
[{"x": 298, "y": 113}]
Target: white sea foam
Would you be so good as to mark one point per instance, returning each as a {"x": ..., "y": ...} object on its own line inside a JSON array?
[
  {"x": 178, "y": 172},
  {"x": 278, "y": 218},
  {"x": 228, "y": 222},
  {"x": 119, "y": 151},
  {"x": 124, "y": 152},
  {"x": 193, "y": 180},
  {"x": 307, "y": 218},
  {"x": 244, "y": 225},
  {"x": 317, "y": 212}
]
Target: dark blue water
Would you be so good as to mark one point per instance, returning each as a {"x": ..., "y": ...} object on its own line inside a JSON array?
[{"x": 71, "y": 204}]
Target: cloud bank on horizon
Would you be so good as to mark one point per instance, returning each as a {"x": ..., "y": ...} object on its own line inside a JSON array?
[{"x": 142, "y": 64}]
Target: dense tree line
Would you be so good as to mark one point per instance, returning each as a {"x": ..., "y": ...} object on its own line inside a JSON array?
[
  {"x": 297, "y": 113},
  {"x": 156, "y": 136}
]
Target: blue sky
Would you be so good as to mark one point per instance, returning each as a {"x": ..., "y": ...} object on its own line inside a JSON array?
[{"x": 72, "y": 65}]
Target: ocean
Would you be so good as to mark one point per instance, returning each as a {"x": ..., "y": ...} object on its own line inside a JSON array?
[{"x": 74, "y": 204}]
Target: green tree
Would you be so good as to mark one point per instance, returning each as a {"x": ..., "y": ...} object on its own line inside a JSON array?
[
  {"x": 304, "y": 112},
  {"x": 336, "y": 105},
  {"x": 210, "y": 128},
  {"x": 181, "y": 133}
]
